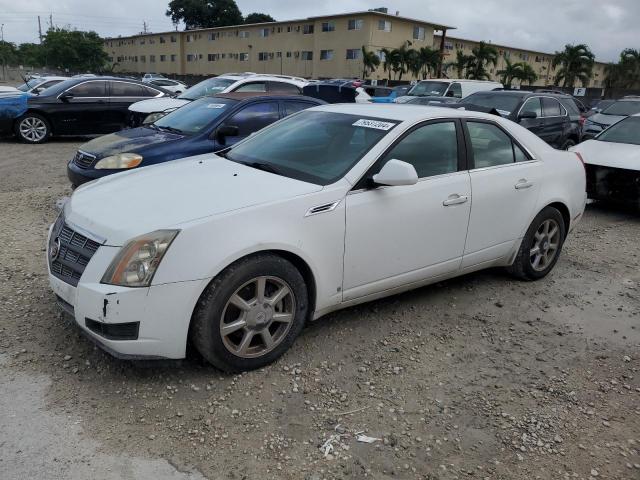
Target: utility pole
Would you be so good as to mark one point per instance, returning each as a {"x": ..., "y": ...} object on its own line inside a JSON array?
[
  {"x": 39, "y": 29},
  {"x": 51, "y": 21},
  {"x": 144, "y": 27}
]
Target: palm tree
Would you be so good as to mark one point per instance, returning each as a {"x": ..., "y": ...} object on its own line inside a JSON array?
[
  {"x": 527, "y": 74},
  {"x": 460, "y": 64},
  {"x": 370, "y": 61},
  {"x": 403, "y": 59},
  {"x": 386, "y": 60},
  {"x": 429, "y": 60},
  {"x": 414, "y": 62},
  {"x": 625, "y": 73},
  {"x": 576, "y": 63},
  {"x": 510, "y": 72},
  {"x": 481, "y": 56}
]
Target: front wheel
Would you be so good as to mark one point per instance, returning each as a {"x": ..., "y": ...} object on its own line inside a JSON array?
[
  {"x": 251, "y": 313},
  {"x": 32, "y": 128},
  {"x": 541, "y": 246}
]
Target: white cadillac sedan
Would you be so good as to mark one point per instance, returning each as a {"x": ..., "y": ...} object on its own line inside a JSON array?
[
  {"x": 328, "y": 208},
  {"x": 612, "y": 161}
]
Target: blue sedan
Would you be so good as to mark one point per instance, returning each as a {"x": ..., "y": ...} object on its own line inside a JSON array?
[{"x": 206, "y": 125}]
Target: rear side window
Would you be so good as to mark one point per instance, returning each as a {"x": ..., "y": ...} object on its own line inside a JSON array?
[
  {"x": 551, "y": 107},
  {"x": 571, "y": 105},
  {"x": 122, "y": 89},
  {"x": 254, "y": 117},
  {"x": 284, "y": 88},
  {"x": 252, "y": 87},
  {"x": 164, "y": 83},
  {"x": 492, "y": 147},
  {"x": 90, "y": 89},
  {"x": 149, "y": 92},
  {"x": 293, "y": 107},
  {"x": 533, "y": 105}
]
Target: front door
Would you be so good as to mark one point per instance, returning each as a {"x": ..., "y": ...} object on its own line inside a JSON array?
[
  {"x": 400, "y": 235},
  {"x": 535, "y": 125},
  {"x": 505, "y": 182},
  {"x": 250, "y": 119},
  {"x": 81, "y": 110},
  {"x": 555, "y": 117}
]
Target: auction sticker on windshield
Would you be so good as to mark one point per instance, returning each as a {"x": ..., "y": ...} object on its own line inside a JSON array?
[
  {"x": 216, "y": 105},
  {"x": 378, "y": 125}
]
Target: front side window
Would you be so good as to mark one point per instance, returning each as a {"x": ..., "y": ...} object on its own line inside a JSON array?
[
  {"x": 431, "y": 149},
  {"x": 207, "y": 87},
  {"x": 313, "y": 146},
  {"x": 491, "y": 146},
  {"x": 90, "y": 89},
  {"x": 626, "y": 131},
  {"x": 551, "y": 107},
  {"x": 533, "y": 105},
  {"x": 195, "y": 116},
  {"x": 254, "y": 117},
  {"x": 455, "y": 90}
]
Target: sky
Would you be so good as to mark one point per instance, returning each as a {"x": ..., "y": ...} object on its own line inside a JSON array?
[{"x": 607, "y": 26}]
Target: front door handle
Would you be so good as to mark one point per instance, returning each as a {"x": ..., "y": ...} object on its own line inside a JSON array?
[
  {"x": 523, "y": 183},
  {"x": 455, "y": 199}
]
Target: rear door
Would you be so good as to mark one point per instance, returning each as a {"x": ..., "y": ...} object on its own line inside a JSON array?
[
  {"x": 82, "y": 112},
  {"x": 555, "y": 119},
  {"x": 251, "y": 118}
]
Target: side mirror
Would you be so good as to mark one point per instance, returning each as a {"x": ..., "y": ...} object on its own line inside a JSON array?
[
  {"x": 66, "y": 96},
  {"x": 396, "y": 173},
  {"x": 226, "y": 131},
  {"x": 527, "y": 114}
]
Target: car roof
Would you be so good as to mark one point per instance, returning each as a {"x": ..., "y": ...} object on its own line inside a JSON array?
[
  {"x": 400, "y": 112},
  {"x": 265, "y": 96}
]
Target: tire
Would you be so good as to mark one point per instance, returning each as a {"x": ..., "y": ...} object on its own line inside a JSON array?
[
  {"x": 524, "y": 266},
  {"x": 245, "y": 346},
  {"x": 32, "y": 128},
  {"x": 568, "y": 144}
]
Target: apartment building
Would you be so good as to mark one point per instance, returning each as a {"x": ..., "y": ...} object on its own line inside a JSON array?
[
  {"x": 314, "y": 47},
  {"x": 541, "y": 62}
]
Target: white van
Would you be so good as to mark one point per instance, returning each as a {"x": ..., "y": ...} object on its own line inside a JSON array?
[{"x": 447, "y": 87}]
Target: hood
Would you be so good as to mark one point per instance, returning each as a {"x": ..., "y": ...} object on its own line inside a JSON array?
[
  {"x": 603, "y": 119},
  {"x": 131, "y": 140},
  {"x": 154, "y": 105},
  {"x": 609, "y": 154},
  {"x": 122, "y": 206}
]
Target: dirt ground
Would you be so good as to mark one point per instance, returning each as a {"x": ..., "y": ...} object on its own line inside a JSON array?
[{"x": 479, "y": 377}]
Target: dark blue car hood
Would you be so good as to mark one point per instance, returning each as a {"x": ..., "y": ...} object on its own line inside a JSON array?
[{"x": 132, "y": 140}]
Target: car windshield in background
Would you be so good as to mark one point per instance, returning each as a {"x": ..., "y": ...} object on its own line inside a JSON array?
[
  {"x": 429, "y": 88},
  {"x": 207, "y": 88},
  {"x": 625, "y": 131},
  {"x": 29, "y": 85},
  {"x": 622, "y": 108},
  {"x": 312, "y": 146},
  {"x": 504, "y": 104},
  {"x": 193, "y": 117}
]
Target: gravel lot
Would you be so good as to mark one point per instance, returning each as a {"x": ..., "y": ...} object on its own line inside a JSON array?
[{"x": 478, "y": 377}]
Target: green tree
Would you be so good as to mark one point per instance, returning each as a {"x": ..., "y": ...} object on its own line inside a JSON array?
[
  {"x": 414, "y": 62},
  {"x": 429, "y": 61},
  {"x": 460, "y": 64},
  {"x": 204, "y": 13},
  {"x": 370, "y": 61},
  {"x": 74, "y": 50},
  {"x": 527, "y": 74},
  {"x": 387, "y": 58},
  {"x": 625, "y": 73},
  {"x": 258, "y": 18},
  {"x": 30, "y": 54},
  {"x": 576, "y": 63},
  {"x": 481, "y": 56},
  {"x": 510, "y": 72}
]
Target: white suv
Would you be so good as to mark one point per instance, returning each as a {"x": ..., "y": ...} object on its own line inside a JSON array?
[
  {"x": 446, "y": 87},
  {"x": 151, "y": 110}
]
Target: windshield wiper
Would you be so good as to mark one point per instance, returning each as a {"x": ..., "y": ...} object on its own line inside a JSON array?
[
  {"x": 170, "y": 129},
  {"x": 266, "y": 167}
]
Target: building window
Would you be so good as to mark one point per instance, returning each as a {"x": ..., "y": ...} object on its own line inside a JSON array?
[
  {"x": 355, "y": 24},
  {"x": 152, "y": 58},
  {"x": 308, "y": 29},
  {"x": 448, "y": 45},
  {"x": 151, "y": 41},
  {"x": 307, "y": 55},
  {"x": 264, "y": 32},
  {"x": 418, "y": 33},
  {"x": 289, "y": 29},
  {"x": 243, "y": 34},
  {"x": 278, "y": 54},
  {"x": 143, "y": 58},
  {"x": 263, "y": 56},
  {"x": 142, "y": 41},
  {"x": 328, "y": 26},
  {"x": 288, "y": 54},
  {"x": 384, "y": 25},
  {"x": 353, "y": 53},
  {"x": 244, "y": 57},
  {"x": 189, "y": 38},
  {"x": 212, "y": 57},
  {"x": 191, "y": 57},
  {"x": 173, "y": 58},
  {"x": 163, "y": 58},
  {"x": 162, "y": 40},
  {"x": 173, "y": 39},
  {"x": 326, "y": 54}
]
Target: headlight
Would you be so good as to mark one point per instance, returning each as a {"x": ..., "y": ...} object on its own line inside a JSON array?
[
  {"x": 119, "y": 161},
  {"x": 154, "y": 117},
  {"x": 137, "y": 262}
]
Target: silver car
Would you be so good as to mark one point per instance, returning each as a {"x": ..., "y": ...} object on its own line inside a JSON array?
[{"x": 615, "y": 112}]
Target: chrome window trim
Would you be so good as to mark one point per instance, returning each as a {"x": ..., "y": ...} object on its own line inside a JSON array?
[
  {"x": 77, "y": 85},
  {"x": 137, "y": 85},
  {"x": 542, "y": 108},
  {"x": 517, "y": 142}
]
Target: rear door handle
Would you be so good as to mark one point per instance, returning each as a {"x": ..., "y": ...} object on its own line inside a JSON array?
[
  {"x": 523, "y": 183},
  {"x": 455, "y": 199}
]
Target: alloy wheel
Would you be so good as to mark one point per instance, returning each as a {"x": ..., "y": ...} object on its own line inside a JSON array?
[
  {"x": 257, "y": 317},
  {"x": 33, "y": 129},
  {"x": 545, "y": 245}
]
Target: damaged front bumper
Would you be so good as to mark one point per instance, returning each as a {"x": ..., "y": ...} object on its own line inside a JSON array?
[{"x": 617, "y": 185}]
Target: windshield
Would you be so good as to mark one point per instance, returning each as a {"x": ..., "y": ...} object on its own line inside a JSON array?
[
  {"x": 625, "y": 131},
  {"x": 207, "y": 88},
  {"x": 195, "y": 116},
  {"x": 504, "y": 104},
  {"x": 313, "y": 146},
  {"x": 622, "y": 108},
  {"x": 429, "y": 88},
  {"x": 29, "y": 85}
]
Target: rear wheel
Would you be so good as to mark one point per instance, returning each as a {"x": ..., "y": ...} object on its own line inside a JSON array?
[
  {"x": 32, "y": 128},
  {"x": 541, "y": 246},
  {"x": 251, "y": 313}
]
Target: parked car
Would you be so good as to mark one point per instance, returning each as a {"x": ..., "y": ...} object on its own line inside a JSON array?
[
  {"x": 432, "y": 101},
  {"x": 335, "y": 92},
  {"x": 39, "y": 84},
  {"x": 554, "y": 118},
  {"x": 80, "y": 106},
  {"x": 612, "y": 162},
  {"x": 172, "y": 85},
  {"x": 147, "y": 77},
  {"x": 454, "y": 88},
  {"x": 328, "y": 208},
  {"x": 151, "y": 110},
  {"x": 395, "y": 92},
  {"x": 202, "y": 126},
  {"x": 599, "y": 106},
  {"x": 610, "y": 115}
]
